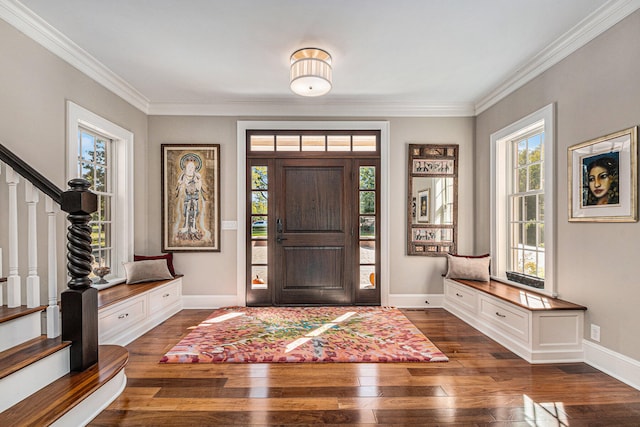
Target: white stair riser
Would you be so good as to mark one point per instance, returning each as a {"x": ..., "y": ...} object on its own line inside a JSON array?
[
  {"x": 32, "y": 378},
  {"x": 17, "y": 331},
  {"x": 89, "y": 408}
]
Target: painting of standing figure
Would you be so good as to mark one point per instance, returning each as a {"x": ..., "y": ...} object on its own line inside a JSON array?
[{"x": 190, "y": 197}]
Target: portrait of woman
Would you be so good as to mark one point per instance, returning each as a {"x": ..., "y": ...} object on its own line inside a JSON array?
[{"x": 601, "y": 180}]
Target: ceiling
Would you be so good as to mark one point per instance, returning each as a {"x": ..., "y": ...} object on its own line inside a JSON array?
[{"x": 401, "y": 57}]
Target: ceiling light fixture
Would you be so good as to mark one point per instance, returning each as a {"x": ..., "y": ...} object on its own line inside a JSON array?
[{"x": 310, "y": 72}]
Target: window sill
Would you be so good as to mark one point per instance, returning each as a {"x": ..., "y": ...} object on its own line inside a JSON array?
[
  {"x": 110, "y": 283},
  {"x": 525, "y": 287}
]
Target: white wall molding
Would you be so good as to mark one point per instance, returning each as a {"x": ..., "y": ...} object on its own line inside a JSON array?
[
  {"x": 23, "y": 19},
  {"x": 416, "y": 300},
  {"x": 617, "y": 365},
  {"x": 314, "y": 108},
  {"x": 209, "y": 301},
  {"x": 589, "y": 28}
]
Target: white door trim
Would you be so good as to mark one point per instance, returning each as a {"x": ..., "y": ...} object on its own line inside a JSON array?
[{"x": 382, "y": 126}]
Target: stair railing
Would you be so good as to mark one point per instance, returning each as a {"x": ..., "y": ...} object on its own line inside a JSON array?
[{"x": 80, "y": 301}]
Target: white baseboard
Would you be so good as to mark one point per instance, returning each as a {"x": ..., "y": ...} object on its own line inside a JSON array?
[
  {"x": 617, "y": 365},
  {"x": 208, "y": 301},
  {"x": 397, "y": 300},
  {"x": 416, "y": 300}
]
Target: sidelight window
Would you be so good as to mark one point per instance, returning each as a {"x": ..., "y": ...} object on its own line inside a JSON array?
[
  {"x": 259, "y": 226},
  {"x": 367, "y": 231}
]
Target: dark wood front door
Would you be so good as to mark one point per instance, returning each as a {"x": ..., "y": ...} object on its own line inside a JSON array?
[
  {"x": 313, "y": 216},
  {"x": 313, "y": 250}
]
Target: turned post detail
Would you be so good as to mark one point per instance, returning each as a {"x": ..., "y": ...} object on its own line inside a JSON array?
[{"x": 80, "y": 301}]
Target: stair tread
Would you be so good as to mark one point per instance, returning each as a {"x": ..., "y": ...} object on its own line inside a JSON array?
[
  {"x": 7, "y": 314},
  {"x": 53, "y": 401},
  {"x": 20, "y": 356}
]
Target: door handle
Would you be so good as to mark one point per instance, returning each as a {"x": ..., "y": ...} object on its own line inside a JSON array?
[{"x": 279, "y": 228}]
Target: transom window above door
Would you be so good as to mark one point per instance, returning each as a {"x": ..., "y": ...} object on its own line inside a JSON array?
[{"x": 313, "y": 142}]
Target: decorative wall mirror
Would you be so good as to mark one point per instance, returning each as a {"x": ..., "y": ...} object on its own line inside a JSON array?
[{"x": 432, "y": 209}]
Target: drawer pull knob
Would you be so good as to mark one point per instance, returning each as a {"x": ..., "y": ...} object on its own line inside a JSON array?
[
  {"x": 122, "y": 316},
  {"x": 500, "y": 315},
  {"x": 458, "y": 295},
  {"x": 166, "y": 295}
]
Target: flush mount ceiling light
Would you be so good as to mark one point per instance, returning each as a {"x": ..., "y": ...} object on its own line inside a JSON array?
[{"x": 310, "y": 72}]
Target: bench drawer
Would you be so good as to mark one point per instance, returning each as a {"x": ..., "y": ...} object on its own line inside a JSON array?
[
  {"x": 460, "y": 296},
  {"x": 122, "y": 316},
  {"x": 166, "y": 296},
  {"x": 505, "y": 317}
]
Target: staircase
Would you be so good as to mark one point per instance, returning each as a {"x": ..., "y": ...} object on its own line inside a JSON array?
[{"x": 52, "y": 371}]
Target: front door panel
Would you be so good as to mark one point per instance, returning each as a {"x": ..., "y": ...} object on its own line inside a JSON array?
[{"x": 313, "y": 232}]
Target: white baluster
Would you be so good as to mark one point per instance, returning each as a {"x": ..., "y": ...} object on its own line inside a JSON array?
[
  {"x": 13, "y": 280},
  {"x": 53, "y": 311},
  {"x": 32, "y": 197}
]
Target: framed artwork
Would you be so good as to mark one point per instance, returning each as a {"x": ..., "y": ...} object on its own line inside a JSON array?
[
  {"x": 190, "y": 197},
  {"x": 603, "y": 176},
  {"x": 423, "y": 205}
]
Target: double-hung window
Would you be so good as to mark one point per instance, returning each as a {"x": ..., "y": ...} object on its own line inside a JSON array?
[
  {"x": 94, "y": 165},
  {"x": 102, "y": 153},
  {"x": 522, "y": 202}
]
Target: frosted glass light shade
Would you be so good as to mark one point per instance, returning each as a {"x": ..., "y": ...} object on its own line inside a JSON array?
[{"x": 310, "y": 72}]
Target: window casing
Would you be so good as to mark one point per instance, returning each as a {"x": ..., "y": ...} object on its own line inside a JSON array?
[
  {"x": 523, "y": 219},
  {"x": 109, "y": 169}
]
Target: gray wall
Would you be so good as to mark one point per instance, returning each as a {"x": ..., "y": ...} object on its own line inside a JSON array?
[
  {"x": 215, "y": 274},
  {"x": 34, "y": 88},
  {"x": 35, "y": 84},
  {"x": 597, "y": 92}
]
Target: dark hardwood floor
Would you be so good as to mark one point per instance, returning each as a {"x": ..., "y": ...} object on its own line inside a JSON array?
[{"x": 483, "y": 384}]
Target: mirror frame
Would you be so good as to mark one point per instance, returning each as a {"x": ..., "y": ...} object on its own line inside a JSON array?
[{"x": 445, "y": 156}]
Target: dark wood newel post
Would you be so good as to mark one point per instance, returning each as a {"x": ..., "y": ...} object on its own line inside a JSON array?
[{"x": 80, "y": 301}]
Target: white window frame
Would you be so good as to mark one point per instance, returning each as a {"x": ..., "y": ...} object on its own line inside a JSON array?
[
  {"x": 500, "y": 176},
  {"x": 122, "y": 176}
]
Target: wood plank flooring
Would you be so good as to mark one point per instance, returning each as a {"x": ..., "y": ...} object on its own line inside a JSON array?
[{"x": 483, "y": 384}]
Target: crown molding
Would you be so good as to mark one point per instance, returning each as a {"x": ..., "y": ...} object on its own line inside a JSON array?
[
  {"x": 586, "y": 30},
  {"x": 314, "y": 107},
  {"x": 23, "y": 19},
  {"x": 27, "y": 22}
]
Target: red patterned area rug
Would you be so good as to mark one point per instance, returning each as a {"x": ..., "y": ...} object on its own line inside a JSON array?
[{"x": 305, "y": 334}]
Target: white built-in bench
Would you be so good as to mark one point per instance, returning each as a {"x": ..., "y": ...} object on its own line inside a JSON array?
[
  {"x": 125, "y": 312},
  {"x": 538, "y": 328}
]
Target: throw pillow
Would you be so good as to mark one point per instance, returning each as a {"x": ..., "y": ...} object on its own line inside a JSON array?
[
  {"x": 468, "y": 267},
  {"x": 167, "y": 256},
  {"x": 146, "y": 271}
]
